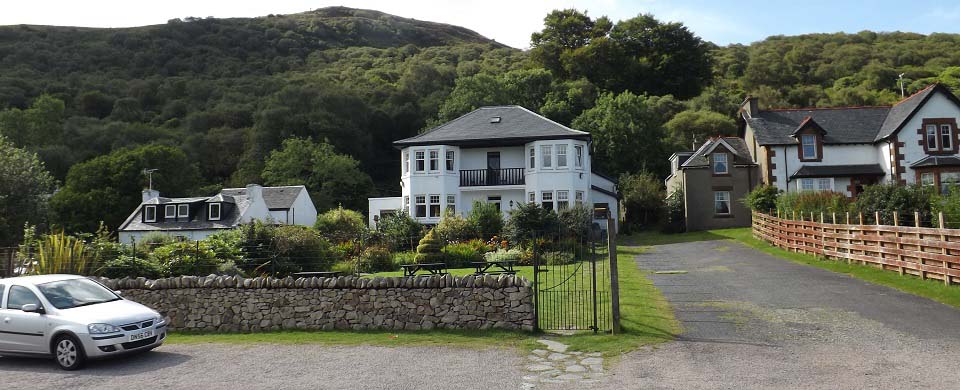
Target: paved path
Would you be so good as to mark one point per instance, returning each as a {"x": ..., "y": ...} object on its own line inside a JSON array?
[{"x": 755, "y": 321}]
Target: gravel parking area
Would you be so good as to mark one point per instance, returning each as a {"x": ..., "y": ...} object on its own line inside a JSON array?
[
  {"x": 753, "y": 321},
  {"x": 218, "y": 366}
]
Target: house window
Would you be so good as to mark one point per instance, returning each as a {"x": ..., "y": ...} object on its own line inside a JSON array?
[
  {"x": 450, "y": 160},
  {"x": 434, "y": 206},
  {"x": 406, "y": 204},
  {"x": 170, "y": 211},
  {"x": 532, "y": 197},
  {"x": 563, "y": 200},
  {"x": 926, "y": 179},
  {"x": 931, "y": 137},
  {"x": 820, "y": 184},
  {"x": 213, "y": 213},
  {"x": 578, "y": 156},
  {"x": 495, "y": 200},
  {"x": 721, "y": 202},
  {"x": 578, "y": 199},
  {"x": 420, "y": 161},
  {"x": 406, "y": 161},
  {"x": 720, "y": 164},
  {"x": 421, "y": 205},
  {"x": 946, "y": 138},
  {"x": 546, "y": 200},
  {"x": 150, "y": 214},
  {"x": 183, "y": 211},
  {"x": 825, "y": 184},
  {"x": 452, "y": 203},
  {"x": 601, "y": 210},
  {"x": 533, "y": 158},
  {"x": 546, "y": 156},
  {"x": 949, "y": 181},
  {"x": 561, "y": 156},
  {"x": 809, "y": 146},
  {"x": 434, "y": 160}
]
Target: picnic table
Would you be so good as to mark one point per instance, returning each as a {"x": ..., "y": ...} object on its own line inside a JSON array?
[
  {"x": 498, "y": 266},
  {"x": 319, "y": 274},
  {"x": 430, "y": 268}
]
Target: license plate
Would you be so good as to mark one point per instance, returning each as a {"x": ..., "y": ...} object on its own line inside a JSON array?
[{"x": 142, "y": 335}]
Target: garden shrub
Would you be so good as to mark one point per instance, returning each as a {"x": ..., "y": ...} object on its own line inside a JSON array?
[
  {"x": 643, "y": 195},
  {"x": 341, "y": 224},
  {"x": 401, "y": 258},
  {"x": 817, "y": 202},
  {"x": 226, "y": 246},
  {"x": 762, "y": 198},
  {"x": 949, "y": 205},
  {"x": 559, "y": 258},
  {"x": 400, "y": 231},
  {"x": 346, "y": 267},
  {"x": 529, "y": 221},
  {"x": 300, "y": 248},
  {"x": 460, "y": 255},
  {"x": 428, "y": 251},
  {"x": 515, "y": 254},
  {"x": 153, "y": 240},
  {"x": 575, "y": 222},
  {"x": 487, "y": 218},
  {"x": 454, "y": 228},
  {"x": 674, "y": 216},
  {"x": 887, "y": 198},
  {"x": 186, "y": 258},
  {"x": 377, "y": 259},
  {"x": 133, "y": 267}
]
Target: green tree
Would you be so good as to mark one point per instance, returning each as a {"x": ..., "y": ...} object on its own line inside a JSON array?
[
  {"x": 333, "y": 179},
  {"x": 529, "y": 221},
  {"x": 697, "y": 126},
  {"x": 340, "y": 224},
  {"x": 108, "y": 188},
  {"x": 487, "y": 218},
  {"x": 40, "y": 124},
  {"x": 627, "y": 134},
  {"x": 643, "y": 199},
  {"x": 24, "y": 189}
]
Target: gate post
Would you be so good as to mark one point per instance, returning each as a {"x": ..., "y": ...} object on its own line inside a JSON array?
[
  {"x": 614, "y": 278},
  {"x": 536, "y": 286}
]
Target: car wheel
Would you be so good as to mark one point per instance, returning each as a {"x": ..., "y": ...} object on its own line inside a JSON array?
[{"x": 68, "y": 352}]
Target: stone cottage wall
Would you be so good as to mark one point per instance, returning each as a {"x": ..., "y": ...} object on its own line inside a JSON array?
[{"x": 234, "y": 304}]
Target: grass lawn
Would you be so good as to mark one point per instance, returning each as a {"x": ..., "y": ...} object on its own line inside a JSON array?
[
  {"x": 646, "y": 319},
  {"x": 931, "y": 289}
]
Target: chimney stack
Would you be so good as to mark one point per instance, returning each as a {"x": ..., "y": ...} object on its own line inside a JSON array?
[
  {"x": 150, "y": 195},
  {"x": 254, "y": 191},
  {"x": 751, "y": 105}
]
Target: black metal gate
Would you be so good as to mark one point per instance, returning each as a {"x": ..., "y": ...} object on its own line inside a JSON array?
[{"x": 572, "y": 283}]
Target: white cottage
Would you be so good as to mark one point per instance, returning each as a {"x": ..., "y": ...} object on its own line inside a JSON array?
[
  {"x": 503, "y": 155},
  {"x": 199, "y": 217}
]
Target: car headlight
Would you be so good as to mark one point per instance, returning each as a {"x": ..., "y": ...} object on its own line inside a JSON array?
[
  {"x": 102, "y": 328},
  {"x": 159, "y": 321}
]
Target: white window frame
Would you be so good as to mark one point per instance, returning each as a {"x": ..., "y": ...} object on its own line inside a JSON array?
[
  {"x": 147, "y": 210},
  {"x": 532, "y": 197},
  {"x": 813, "y": 144},
  {"x": 547, "y": 197},
  {"x": 451, "y": 203},
  {"x": 450, "y": 160},
  {"x": 716, "y": 163},
  {"x": 420, "y": 200},
  {"x": 170, "y": 211},
  {"x": 406, "y": 162},
  {"x": 533, "y": 158},
  {"x": 946, "y": 182},
  {"x": 825, "y": 184},
  {"x": 932, "y": 137},
  {"x": 183, "y": 210},
  {"x": 578, "y": 156},
  {"x": 578, "y": 198},
  {"x": 721, "y": 197},
  {"x": 434, "y": 201},
  {"x": 927, "y": 175},
  {"x": 406, "y": 203},
  {"x": 210, "y": 208},
  {"x": 563, "y": 200},
  {"x": 421, "y": 160},
  {"x": 815, "y": 184},
  {"x": 946, "y": 136},
  {"x": 561, "y": 156},
  {"x": 433, "y": 163},
  {"x": 546, "y": 156}
]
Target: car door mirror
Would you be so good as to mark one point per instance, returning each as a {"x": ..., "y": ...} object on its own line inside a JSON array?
[
  {"x": 32, "y": 308},
  {"x": 118, "y": 292}
]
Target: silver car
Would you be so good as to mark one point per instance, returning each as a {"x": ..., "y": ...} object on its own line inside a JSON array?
[{"x": 72, "y": 319}]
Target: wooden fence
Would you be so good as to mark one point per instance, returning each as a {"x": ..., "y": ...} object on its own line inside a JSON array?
[{"x": 932, "y": 253}]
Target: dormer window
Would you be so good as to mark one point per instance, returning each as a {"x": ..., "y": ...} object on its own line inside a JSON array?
[
  {"x": 170, "y": 211},
  {"x": 720, "y": 165},
  {"x": 213, "y": 212},
  {"x": 150, "y": 214},
  {"x": 183, "y": 211},
  {"x": 808, "y": 143}
]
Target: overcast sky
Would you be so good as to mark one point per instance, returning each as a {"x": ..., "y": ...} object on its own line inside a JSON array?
[{"x": 512, "y": 21}]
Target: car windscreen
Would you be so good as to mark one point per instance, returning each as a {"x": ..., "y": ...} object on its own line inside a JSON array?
[{"x": 66, "y": 294}]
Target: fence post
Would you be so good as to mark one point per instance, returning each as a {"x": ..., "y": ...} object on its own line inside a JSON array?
[
  {"x": 848, "y": 217},
  {"x": 943, "y": 249},
  {"x": 896, "y": 232},
  {"x": 834, "y": 218},
  {"x": 614, "y": 275},
  {"x": 876, "y": 216},
  {"x": 916, "y": 219},
  {"x": 536, "y": 286},
  {"x": 861, "y": 218}
]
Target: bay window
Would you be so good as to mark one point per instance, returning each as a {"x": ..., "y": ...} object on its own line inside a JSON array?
[
  {"x": 563, "y": 200},
  {"x": 578, "y": 156},
  {"x": 546, "y": 200},
  {"x": 420, "y": 160},
  {"x": 434, "y": 206},
  {"x": 561, "y": 156},
  {"x": 546, "y": 156},
  {"x": 533, "y": 158},
  {"x": 421, "y": 206},
  {"x": 434, "y": 160},
  {"x": 450, "y": 160}
]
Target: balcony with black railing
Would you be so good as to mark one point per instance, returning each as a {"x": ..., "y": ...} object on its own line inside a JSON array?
[{"x": 491, "y": 177}]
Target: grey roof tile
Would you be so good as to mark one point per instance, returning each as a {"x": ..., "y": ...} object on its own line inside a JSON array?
[
  {"x": 937, "y": 161},
  {"x": 275, "y": 197},
  {"x": 846, "y": 125},
  {"x": 838, "y": 171},
  {"x": 740, "y": 151},
  {"x": 515, "y": 123}
]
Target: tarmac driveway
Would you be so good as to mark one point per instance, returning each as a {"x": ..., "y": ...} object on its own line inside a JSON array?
[{"x": 751, "y": 320}]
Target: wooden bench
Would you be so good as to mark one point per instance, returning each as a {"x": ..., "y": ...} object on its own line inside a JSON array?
[
  {"x": 319, "y": 274},
  {"x": 430, "y": 268},
  {"x": 498, "y": 266}
]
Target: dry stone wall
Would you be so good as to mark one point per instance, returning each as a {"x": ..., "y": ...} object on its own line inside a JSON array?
[{"x": 235, "y": 304}]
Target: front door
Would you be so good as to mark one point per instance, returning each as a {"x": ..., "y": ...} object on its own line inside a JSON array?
[
  {"x": 493, "y": 168},
  {"x": 21, "y": 331}
]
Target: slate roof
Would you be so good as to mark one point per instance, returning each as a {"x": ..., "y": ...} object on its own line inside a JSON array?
[
  {"x": 937, "y": 161},
  {"x": 276, "y": 198},
  {"x": 842, "y": 125},
  {"x": 516, "y": 125},
  {"x": 838, "y": 171},
  {"x": 740, "y": 151}
]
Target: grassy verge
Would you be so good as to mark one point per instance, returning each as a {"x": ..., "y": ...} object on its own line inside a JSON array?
[
  {"x": 931, "y": 289},
  {"x": 645, "y": 316}
]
